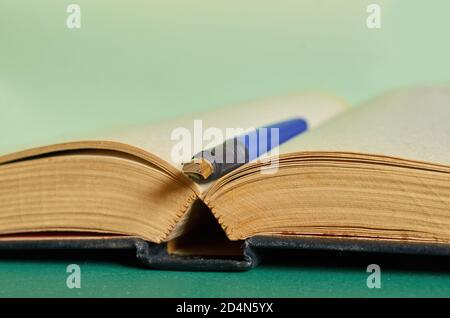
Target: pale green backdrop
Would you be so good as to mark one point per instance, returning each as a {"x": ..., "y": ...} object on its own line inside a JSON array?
[{"x": 140, "y": 61}]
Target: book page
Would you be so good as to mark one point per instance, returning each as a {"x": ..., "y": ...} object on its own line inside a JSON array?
[
  {"x": 411, "y": 124},
  {"x": 159, "y": 143}
]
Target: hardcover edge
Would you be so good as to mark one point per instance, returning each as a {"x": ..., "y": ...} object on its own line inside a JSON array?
[{"x": 254, "y": 248}]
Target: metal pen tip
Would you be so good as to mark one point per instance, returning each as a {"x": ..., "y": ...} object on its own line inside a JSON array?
[{"x": 198, "y": 169}]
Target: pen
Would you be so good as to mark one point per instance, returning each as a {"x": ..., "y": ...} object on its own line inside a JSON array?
[{"x": 215, "y": 162}]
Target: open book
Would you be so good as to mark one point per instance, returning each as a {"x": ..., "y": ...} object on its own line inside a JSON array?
[{"x": 374, "y": 178}]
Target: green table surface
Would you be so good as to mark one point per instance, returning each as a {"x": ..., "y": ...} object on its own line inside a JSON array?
[{"x": 133, "y": 62}]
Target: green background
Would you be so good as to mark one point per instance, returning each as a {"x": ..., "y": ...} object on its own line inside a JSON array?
[{"x": 140, "y": 61}]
